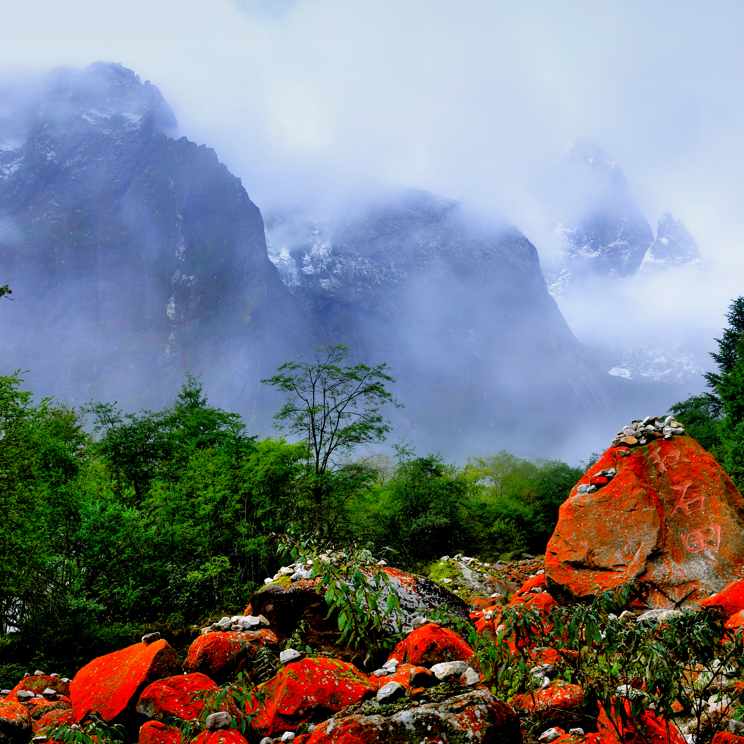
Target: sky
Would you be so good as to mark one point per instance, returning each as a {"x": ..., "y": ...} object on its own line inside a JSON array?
[{"x": 315, "y": 99}]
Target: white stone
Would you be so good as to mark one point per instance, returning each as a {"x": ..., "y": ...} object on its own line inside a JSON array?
[
  {"x": 550, "y": 735},
  {"x": 449, "y": 669},
  {"x": 390, "y": 692},
  {"x": 289, "y": 655}
]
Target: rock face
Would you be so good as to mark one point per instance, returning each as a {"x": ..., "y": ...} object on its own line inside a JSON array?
[
  {"x": 674, "y": 246},
  {"x": 308, "y": 690},
  {"x": 432, "y": 644},
  {"x": 475, "y": 717},
  {"x": 175, "y": 697},
  {"x": 288, "y": 605},
  {"x": 456, "y": 305},
  {"x": 128, "y": 250},
  {"x": 670, "y": 518},
  {"x": 15, "y": 723},
  {"x": 604, "y": 233},
  {"x": 111, "y": 685},
  {"x": 222, "y": 655}
]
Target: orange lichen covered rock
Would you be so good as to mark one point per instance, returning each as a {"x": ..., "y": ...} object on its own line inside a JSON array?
[
  {"x": 39, "y": 708},
  {"x": 558, "y": 703},
  {"x": 40, "y": 682},
  {"x": 432, "y": 644},
  {"x": 729, "y": 600},
  {"x": 670, "y": 518},
  {"x": 221, "y": 656},
  {"x": 15, "y": 723},
  {"x": 227, "y": 736},
  {"x": 111, "y": 685},
  {"x": 308, "y": 690},
  {"x": 175, "y": 696},
  {"x": 724, "y": 737},
  {"x": 51, "y": 720},
  {"x": 735, "y": 621},
  {"x": 155, "y": 732},
  {"x": 648, "y": 728},
  {"x": 476, "y": 717}
]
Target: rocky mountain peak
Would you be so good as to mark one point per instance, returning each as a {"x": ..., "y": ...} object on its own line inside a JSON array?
[{"x": 674, "y": 246}]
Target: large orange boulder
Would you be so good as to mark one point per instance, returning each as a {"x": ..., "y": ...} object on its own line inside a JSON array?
[
  {"x": 432, "y": 644},
  {"x": 308, "y": 690},
  {"x": 15, "y": 723},
  {"x": 226, "y": 736},
  {"x": 51, "y": 720},
  {"x": 221, "y": 656},
  {"x": 175, "y": 697},
  {"x": 670, "y": 518},
  {"x": 559, "y": 703},
  {"x": 476, "y": 717},
  {"x": 729, "y": 601},
  {"x": 111, "y": 685}
]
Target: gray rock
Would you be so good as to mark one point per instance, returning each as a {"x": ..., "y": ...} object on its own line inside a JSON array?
[
  {"x": 40, "y": 739},
  {"x": 390, "y": 664},
  {"x": 381, "y": 672},
  {"x": 24, "y": 695},
  {"x": 659, "y": 615},
  {"x": 576, "y": 731},
  {"x": 219, "y": 721},
  {"x": 263, "y": 621},
  {"x": 470, "y": 677},
  {"x": 627, "y": 615},
  {"x": 225, "y": 623},
  {"x": 736, "y": 727},
  {"x": 4, "y": 693},
  {"x": 149, "y": 638},
  {"x": 449, "y": 669},
  {"x": 419, "y": 621},
  {"x": 544, "y": 670},
  {"x": 287, "y": 736},
  {"x": 39, "y": 673},
  {"x": 390, "y": 692},
  {"x": 266, "y": 740},
  {"x": 49, "y": 693},
  {"x": 550, "y": 735},
  {"x": 582, "y": 488},
  {"x": 289, "y": 655}
]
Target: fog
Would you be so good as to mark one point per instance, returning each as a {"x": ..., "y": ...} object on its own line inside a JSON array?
[{"x": 312, "y": 101}]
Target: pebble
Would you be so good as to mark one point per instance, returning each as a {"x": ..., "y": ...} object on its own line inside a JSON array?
[
  {"x": 447, "y": 669},
  {"x": 149, "y": 638},
  {"x": 390, "y": 692},
  {"x": 219, "y": 721},
  {"x": 38, "y": 673},
  {"x": 288, "y": 736},
  {"x": 550, "y": 735},
  {"x": 470, "y": 677},
  {"x": 289, "y": 655},
  {"x": 576, "y": 732}
]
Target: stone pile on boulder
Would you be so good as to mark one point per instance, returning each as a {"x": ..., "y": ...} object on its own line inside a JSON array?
[{"x": 669, "y": 519}]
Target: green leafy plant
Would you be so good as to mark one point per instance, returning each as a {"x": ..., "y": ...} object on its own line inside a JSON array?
[
  {"x": 93, "y": 731},
  {"x": 357, "y": 590}
]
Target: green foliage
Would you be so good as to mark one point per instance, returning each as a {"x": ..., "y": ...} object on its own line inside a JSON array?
[
  {"x": 94, "y": 731},
  {"x": 702, "y": 418},
  {"x": 333, "y": 408},
  {"x": 684, "y": 659},
  {"x": 5, "y": 291},
  {"x": 358, "y": 593}
]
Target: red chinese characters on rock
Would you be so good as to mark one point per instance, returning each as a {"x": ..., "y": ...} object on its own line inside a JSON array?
[
  {"x": 671, "y": 518},
  {"x": 706, "y": 538}
]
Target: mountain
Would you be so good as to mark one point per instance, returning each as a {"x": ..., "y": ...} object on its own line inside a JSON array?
[
  {"x": 609, "y": 258},
  {"x": 458, "y": 307},
  {"x": 133, "y": 256},
  {"x": 602, "y": 230},
  {"x": 674, "y": 246}
]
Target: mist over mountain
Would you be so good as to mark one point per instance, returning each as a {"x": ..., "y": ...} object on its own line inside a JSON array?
[
  {"x": 611, "y": 268},
  {"x": 135, "y": 257}
]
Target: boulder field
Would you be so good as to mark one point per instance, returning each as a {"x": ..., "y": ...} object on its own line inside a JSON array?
[{"x": 655, "y": 510}]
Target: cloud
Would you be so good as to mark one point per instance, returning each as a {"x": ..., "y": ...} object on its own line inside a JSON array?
[{"x": 312, "y": 99}]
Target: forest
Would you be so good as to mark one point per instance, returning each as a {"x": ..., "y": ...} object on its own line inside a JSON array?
[{"x": 118, "y": 523}]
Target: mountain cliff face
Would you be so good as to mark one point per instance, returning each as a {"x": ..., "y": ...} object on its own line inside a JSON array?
[
  {"x": 458, "y": 307},
  {"x": 132, "y": 255},
  {"x": 674, "y": 246}
]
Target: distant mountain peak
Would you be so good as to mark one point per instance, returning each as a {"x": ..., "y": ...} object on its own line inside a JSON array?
[{"x": 674, "y": 246}]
